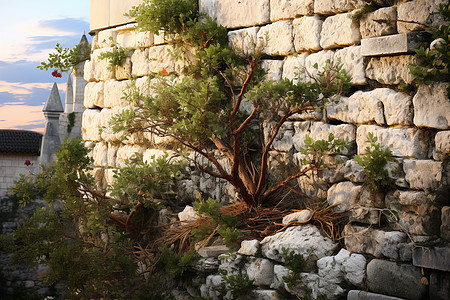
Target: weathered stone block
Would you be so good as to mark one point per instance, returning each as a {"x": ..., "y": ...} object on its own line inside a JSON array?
[
  {"x": 409, "y": 142},
  {"x": 325, "y": 7},
  {"x": 126, "y": 36},
  {"x": 89, "y": 71},
  {"x": 359, "y": 295},
  {"x": 319, "y": 58},
  {"x": 126, "y": 152},
  {"x": 381, "y": 22},
  {"x": 273, "y": 68},
  {"x": 359, "y": 108},
  {"x": 347, "y": 196},
  {"x": 339, "y": 30},
  {"x": 100, "y": 155},
  {"x": 376, "y": 242},
  {"x": 124, "y": 71},
  {"x": 250, "y": 247},
  {"x": 432, "y": 106},
  {"x": 277, "y": 38},
  {"x": 90, "y": 125},
  {"x": 107, "y": 38},
  {"x": 140, "y": 62},
  {"x": 93, "y": 95},
  {"x": 354, "y": 172},
  {"x": 244, "y": 40},
  {"x": 390, "y": 278},
  {"x": 114, "y": 92},
  {"x": 393, "y": 44},
  {"x": 435, "y": 258},
  {"x": 442, "y": 142},
  {"x": 306, "y": 33},
  {"x": 445, "y": 223},
  {"x": 418, "y": 212},
  {"x": 299, "y": 216},
  {"x": 292, "y": 67},
  {"x": 188, "y": 214},
  {"x": 440, "y": 285},
  {"x": 352, "y": 62},
  {"x": 144, "y": 39},
  {"x": 397, "y": 106},
  {"x": 266, "y": 294},
  {"x": 418, "y": 15},
  {"x": 111, "y": 155},
  {"x": 213, "y": 251},
  {"x": 425, "y": 174},
  {"x": 251, "y": 12},
  {"x": 289, "y": 9},
  {"x": 283, "y": 140},
  {"x": 101, "y": 66},
  {"x": 260, "y": 271},
  {"x": 390, "y": 69},
  {"x": 305, "y": 240}
]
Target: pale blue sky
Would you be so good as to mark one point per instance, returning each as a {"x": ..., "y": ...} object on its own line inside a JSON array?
[{"x": 30, "y": 30}]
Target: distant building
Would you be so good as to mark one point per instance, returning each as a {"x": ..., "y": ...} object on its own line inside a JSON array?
[{"x": 19, "y": 153}]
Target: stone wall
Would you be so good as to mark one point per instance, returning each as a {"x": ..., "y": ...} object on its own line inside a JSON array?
[
  {"x": 376, "y": 51},
  {"x": 11, "y": 166}
]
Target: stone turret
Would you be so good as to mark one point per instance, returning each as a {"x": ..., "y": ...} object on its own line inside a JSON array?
[{"x": 52, "y": 111}]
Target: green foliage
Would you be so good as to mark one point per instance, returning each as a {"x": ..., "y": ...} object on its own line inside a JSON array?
[
  {"x": 145, "y": 182},
  {"x": 374, "y": 163},
  {"x": 433, "y": 62},
  {"x": 64, "y": 59},
  {"x": 315, "y": 150},
  {"x": 295, "y": 263},
  {"x": 116, "y": 57},
  {"x": 176, "y": 265},
  {"x": 224, "y": 224},
  {"x": 71, "y": 119},
  {"x": 236, "y": 284}
]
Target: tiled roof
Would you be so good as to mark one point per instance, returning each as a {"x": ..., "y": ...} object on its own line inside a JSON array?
[{"x": 20, "y": 141}]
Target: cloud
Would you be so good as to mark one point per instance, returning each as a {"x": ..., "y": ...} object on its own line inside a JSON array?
[{"x": 19, "y": 88}]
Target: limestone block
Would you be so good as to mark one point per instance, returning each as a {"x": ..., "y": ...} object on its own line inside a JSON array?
[
  {"x": 260, "y": 271},
  {"x": 418, "y": 212},
  {"x": 289, "y": 9},
  {"x": 305, "y": 240},
  {"x": 102, "y": 70},
  {"x": 354, "y": 172},
  {"x": 319, "y": 58},
  {"x": 144, "y": 39},
  {"x": 425, "y": 174},
  {"x": 390, "y": 69},
  {"x": 418, "y": 15},
  {"x": 279, "y": 272},
  {"x": 273, "y": 68},
  {"x": 376, "y": 242},
  {"x": 339, "y": 30},
  {"x": 277, "y": 38},
  {"x": 381, "y": 22},
  {"x": 112, "y": 153},
  {"x": 347, "y": 196},
  {"x": 90, "y": 125},
  {"x": 283, "y": 140},
  {"x": 244, "y": 40},
  {"x": 100, "y": 155},
  {"x": 251, "y": 12},
  {"x": 106, "y": 116},
  {"x": 93, "y": 95},
  {"x": 432, "y": 106},
  {"x": 140, "y": 62},
  {"x": 401, "y": 280},
  {"x": 124, "y": 71},
  {"x": 359, "y": 108},
  {"x": 114, "y": 92},
  {"x": 188, "y": 214},
  {"x": 89, "y": 71},
  {"x": 107, "y": 38},
  {"x": 306, "y": 32},
  {"x": 397, "y": 106},
  {"x": 358, "y": 295},
  {"x": 293, "y": 67},
  {"x": 299, "y": 216},
  {"x": 250, "y": 247},
  {"x": 161, "y": 57},
  {"x": 126, "y": 152},
  {"x": 442, "y": 142},
  {"x": 353, "y": 63},
  {"x": 392, "y": 44},
  {"x": 126, "y": 36},
  {"x": 325, "y": 7},
  {"x": 409, "y": 142},
  {"x": 109, "y": 176},
  {"x": 445, "y": 223}
]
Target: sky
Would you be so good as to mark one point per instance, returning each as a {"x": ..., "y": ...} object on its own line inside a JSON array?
[{"x": 29, "y": 31}]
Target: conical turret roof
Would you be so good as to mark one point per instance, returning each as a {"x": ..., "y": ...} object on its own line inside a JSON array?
[{"x": 53, "y": 103}]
